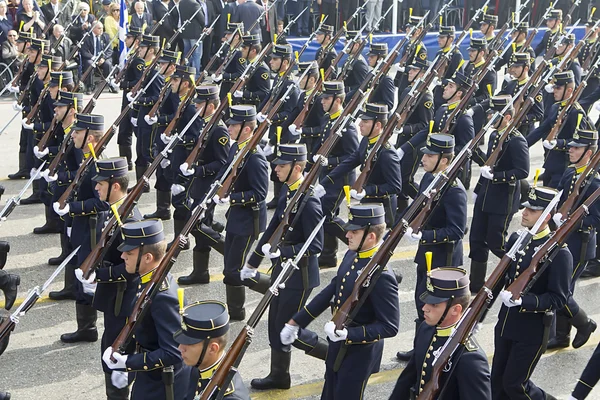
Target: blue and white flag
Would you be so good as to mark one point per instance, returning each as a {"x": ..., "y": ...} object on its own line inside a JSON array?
[{"x": 123, "y": 28}]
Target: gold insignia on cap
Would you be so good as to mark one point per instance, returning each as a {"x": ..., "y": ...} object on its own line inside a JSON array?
[
  {"x": 576, "y": 136},
  {"x": 532, "y": 195}
]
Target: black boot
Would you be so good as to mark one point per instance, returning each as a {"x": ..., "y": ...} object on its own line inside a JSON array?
[
  {"x": 139, "y": 172},
  {"x": 585, "y": 327},
  {"x": 66, "y": 293},
  {"x": 217, "y": 226},
  {"x": 271, "y": 205},
  {"x": 562, "y": 339},
  {"x": 86, "y": 326},
  {"x": 279, "y": 377},
  {"x": 262, "y": 284},
  {"x": 35, "y": 196},
  {"x": 477, "y": 276},
  {"x": 200, "y": 270},
  {"x": 23, "y": 172},
  {"x": 52, "y": 224},
  {"x": 125, "y": 151},
  {"x": 328, "y": 257},
  {"x": 64, "y": 251},
  {"x": 2, "y": 189},
  {"x": 550, "y": 397},
  {"x": 178, "y": 225},
  {"x": 236, "y": 297},
  {"x": 4, "y": 249},
  {"x": 402, "y": 204},
  {"x": 8, "y": 285},
  {"x": 406, "y": 355},
  {"x": 320, "y": 350},
  {"x": 592, "y": 269},
  {"x": 4, "y": 395},
  {"x": 163, "y": 206}
]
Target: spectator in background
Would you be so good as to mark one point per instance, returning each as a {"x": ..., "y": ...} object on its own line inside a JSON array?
[
  {"x": 64, "y": 48},
  {"x": 31, "y": 19},
  {"x": 92, "y": 49},
  {"x": 10, "y": 50},
  {"x": 193, "y": 31},
  {"x": 248, "y": 12},
  {"x": 159, "y": 9},
  {"x": 329, "y": 9},
  {"x": 111, "y": 27},
  {"x": 81, "y": 23},
  {"x": 6, "y": 22},
  {"x": 105, "y": 12},
  {"x": 141, "y": 18},
  {"x": 64, "y": 10},
  {"x": 303, "y": 27},
  {"x": 373, "y": 14},
  {"x": 281, "y": 39}
]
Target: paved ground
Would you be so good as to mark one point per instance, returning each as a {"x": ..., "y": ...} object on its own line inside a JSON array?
[{"x": 37, "y": 364}]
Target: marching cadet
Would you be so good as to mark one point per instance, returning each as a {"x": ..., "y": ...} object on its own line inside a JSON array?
[
  {"x": 442, "y": 234},
  {"x": 164, "y": 177},
  {"x": 418, "y": 121},
  {"x": 519, "y": 37},
  {"x": 416, "y": 50},
  {"x": 556, "y": 158},
  {"x": 384, "y": 90},
  {"x": 581, "y": 242},
  {"x": 280, "y": 62},
  {"x": 445, "y": 298},
  {"x": 325, "y": 53},
  {"x": 589, "y": 377},
  {"x": 554, "y": 25},
  {"x": 355, "y": 352},
  {"x": 384, "y": 182},
  {"x": 156, "y": 369},
  {"x": 478, "y": 50},
  {"x": 291, "y": 162},
  {"x": 565, "y": 45},
  {"x": 202, "y": 175},
  {"x": 202, "y": 340},
  {"x": 148, "y": 50},
  {"x": 332, "y": 99},
  {"x": 258, "y": 85},
  {"x": 445, "y": 39},
  {"x": 247, "y": 213},
  {"x": 84, "y": 213},
  {"x": 112, "y": 287},
  {"x": 134, "y": 71},
  {"x": 523, "y": 323},
  {"x": 588, "y": 55},
  {"x": 355, "y": 70},
  {"x": 488, "y": 26},
  {"x": 234, "y": 69},
  {"x": 497, "y": 193},
  {"x": 315, "y": 110}
]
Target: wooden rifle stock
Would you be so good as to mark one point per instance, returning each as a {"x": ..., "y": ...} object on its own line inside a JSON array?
[
  {"x": 567, "y": 20},
  {"x": 25, "y": 91},
  {"x": 179, "y": 112},
  {"x": 235, "y": 43},
  {"x": 128, "y": 61},
  {"x": 15, "y": 81},
  {"x": 562, "y": 116},
  {"x": 159, "y": 102},
  {"x": 65, "y": 148},
  {"x": 586, "y": 177},
  {"x": 35, "y": 109},
  {"x": 44, "y": 140}
]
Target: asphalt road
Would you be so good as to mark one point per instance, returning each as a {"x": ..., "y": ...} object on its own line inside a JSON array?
[{"x": 36, "y": 364}]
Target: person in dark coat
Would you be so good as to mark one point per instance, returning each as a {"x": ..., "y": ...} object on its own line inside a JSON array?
[
  {"x": 186, "y": 9},
  {"x": 140, "y": 18},
  {"x": 97, "y": 48},
  {"x": 28, "y": 19},
  {"x": 553, "y": 23},
  {"x": 325, "y": 53},
  {"x": 384, "y": 91},
  {"x": 589, "y": 377},
  {"x": 166, "y": 29},
  {"x": 6, "y": 23},
  {"x": 248, "y": 12},
  {"x": 446, "y": 37},
  {"x": 82, "y": 23}
]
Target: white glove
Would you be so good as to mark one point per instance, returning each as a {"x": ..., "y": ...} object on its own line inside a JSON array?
[
  {"x": 401, "y": 69},
  {"x": 436, "y": 82},
  {"x": 40, "y": 154},
  {"x": 80, "y": 278},
  {"x": 597, "y": 106},
  {"x": 238, "y": 93},
  {"x": 260, "y": 117},
  {"x": 185, "y": 171},
  {"x": 549, "y": 88},
  {"x": 113, "y": 84},
  {"x": 60, "y": 211},
  {"x": 165, "y": 139},
  {"x": 319, "y": 191},
  {"x": 130, "y": 97},
  {"x": 357, "y": 195},
  {"x": 220, "y": 201},
  {"x": 470, "y": 112},
  {"x": 507, "y": 78},
  {"x": 17, "y": 106},
  {"x": 486, "y": 172},
  {"x": 133, "y": 121},
  {"x": 289, "y": 334},
  {"x": 13, "y": 89},
  {"x": 247, "y": 272},
  {"x": 474, "y": 197},
  {"x": 318, "y": 158},
  {"x": 177, "y": 189},
  {"x": 266, "y": 249},
  {"x": 120, "y": 359},
  {"x": 268, "y": 150},
  {"x": 150, "y": 121},
  {"x": 400, "y": 152},
  {"x": 294, "y": 130},
  {"x": 25, "y": 125},
  {"x": 164, "y": 163},
  {"x": 333, "y": 334},
  {"x": 33, "y": 173},
  {"x": 46, "y": 175},
  {"x": 413, "y": 236},
  {"x": 399, "y": 131},
  {"x": 549, "y": 144},
  {"x": 119, "y": 379},
  {"x": 506, "y": 298},
  {"x": 89, "y": 288},
  {"x": 217, "y": 78},
  {"x": 557, "y": 218}
]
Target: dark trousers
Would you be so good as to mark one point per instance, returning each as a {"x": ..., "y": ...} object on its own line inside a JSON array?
[
  {"x": 144, "y": 142},
  {"x": 488, "y": 233},
  {"x": 237, "y": 248},
  {"x": 104, "y": 68},
  {"x": 282, "y": 309},
  {"x": 420, "y": 287},
  {"x": 408, "y": 167},
  {"x": 23, "y": 141},
  {"x": 330, "y": 11},
  {"x": 125, "y": 127}
]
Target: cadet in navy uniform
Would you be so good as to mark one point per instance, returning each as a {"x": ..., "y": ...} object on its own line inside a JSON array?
[
  {"x": 553, "y": 23},
  {"x": 556, "y": 160},
  {"x": 478, "y": 51},
  {"x": 202, "y": 341},
  {"x": 148, "y": 49},
  {"x": 325, "y": 53},
  {"x": 488, "y": 26},
  {"x": 445, "y": 299},
  {"x": 85, "y": 226},
  {"x": 247, "y": 213},
  {"x": 416, "y": 51},
  {"x": 166, "y": 112},
  {"x": 519, "y": 37},
  {"x": 290, "y": 161},
  {"x": 588, "y": 55},
  {"x": 443, "y": 232},
  {"x": 113, "y": 289},
  {"x": 156, "y": 369},
  {"x": 258, "y": 85},
  {"x": 280, "y": 62},
  {"x": 236, "y": 66},
  {"x": 497, "y": 193},
  {"x": 384, "y": 90},
  {"x": 589, "y": 377},
  {"x": 202, "y": 175},
  {"x": 523, "y": 323},
  {"x": 133, "y": 74},
  {"x": 355, "y": 352},
  {"x": 332, "y": 100},
  {"x": 445, "y": 39},
  {"x": 418, "y": 121},
  {"x": 315, "y": 109},
  {"x": 354, "y": 72},
  {"x": 581, "y": 242}
]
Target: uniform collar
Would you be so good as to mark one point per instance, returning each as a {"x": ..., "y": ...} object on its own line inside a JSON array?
[
  {"x": 447, "y": 49},
  {"x": 553, "y": 31},
  {"x": 368, "y": 253},
  {"x": 281, "y": 73},
  {"x": 336, "y": 114},
  {"x": 208, "y": 118},
  {"x": 590, "y": 41},
  {"x": 479, "y": 64},
  {"x": 147, "y": 63},
  {"x": 67, "y": 130},
  {"x": 243, "y": 144},
  {"x": 542, "y": 234},
  {"x": 452, "y": 106},
  {"x": 445, "y": 332},
  {"x": 579, "y": 170},
  {"x": 296, "y": 185},
  {"x": 373, "y": 140},
  {"x": 147, "y": 276},
  {"x": 118, "y": 203},
  {"x": 524, "y": 81},
  {"x": 209, "y": 372},
  {"x": 564, "y": 102},
  {"x": 87, "y": 154}
]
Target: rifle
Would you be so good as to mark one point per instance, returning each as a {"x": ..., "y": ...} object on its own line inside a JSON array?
[
  {"x": 567, "y": 20},
  {"x": 478, "y": 12},
  {"x": 54, "y": 20},
  {"x": 411, "y": 44},
  {"x": 6, "y": 68},
  {"x": 14, "y": 201},
  {"x": 131, "y": 55},
  {"x": 204, "y": 34},
  {"x": 100, "y": 87},
  {"x": 234, "y": 42},
  {"x": 181, "y": 29},
  {"x": 180, "y": 109},
  {"x": 160, "y": 101},
  {"x": 162, "y": 20},
  {"x": 450, "y": 353},
  {"x": 228, "y": 367},
  {"x": 20, "y": 101},
  {"x": 95, "y": 59},
  {"x": 265, "y": 11},
  {"x": 585, "y": 178},
  {"x": 562, "y": 116},
  {"x": 76, "y": 47},
  {"x": 536, "y": 28},
  {"x": 36, "y": 107},
  {"x": 147, "y": 70},
  {"x": 62, "y": 35},
  {"x": 108, "y": 236},
  {"x": 32, "y": 297}
]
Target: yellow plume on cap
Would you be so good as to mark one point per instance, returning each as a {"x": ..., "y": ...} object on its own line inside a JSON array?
[
  {"x": 297, "y": 56},
  {"x": 193, "y": 79},
  {"x": 347, "y": 193},
  {"x": 485, "y": 9},
  {"x": 59, "y": 77},
  {"x": 471, "y": 33},
  {"x": 229, "y": 101},
  {"x": 92, "y": 151},
  {"x": 75, "y": 103},
  {"x": 180, "y": 295},
  {"x": 178, "y": 57},
  {"x": 460, "y": 64},
  {"x": 535, "y": 178},
  {"x": 428, "y": 257},
  {"x": 228, "y": 18},
  {"x": 115, "y": 211},
  {"x": 370, "y": 38},
  {"x": 322, "y": 17},
  {"x": 430, "y": 126},
  {"x": 274, "y": 38},
  {"x": 410, "y": 12},
  {"x": 345, "y": 26},
  {"x": 514, "y": 47},
  {"x": 489, "y": 88},
  {"x": 322, "y": 74},
  {"x": 579, "y": 117},
  {"x": 561, "y": 27},
  {"x": 43, "y": 51},
  {"x": 592, "y": 12},
  {"x": 21, "y": 26},
  {"x": 418, "y": 49},
  {"x": 163, "y": 43},
  {"x": 513, "y": 17},
  {"x": 441, "y": 18},
  {"x": 129, "y": 19},
  {"x": 279, "y": 128}
]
